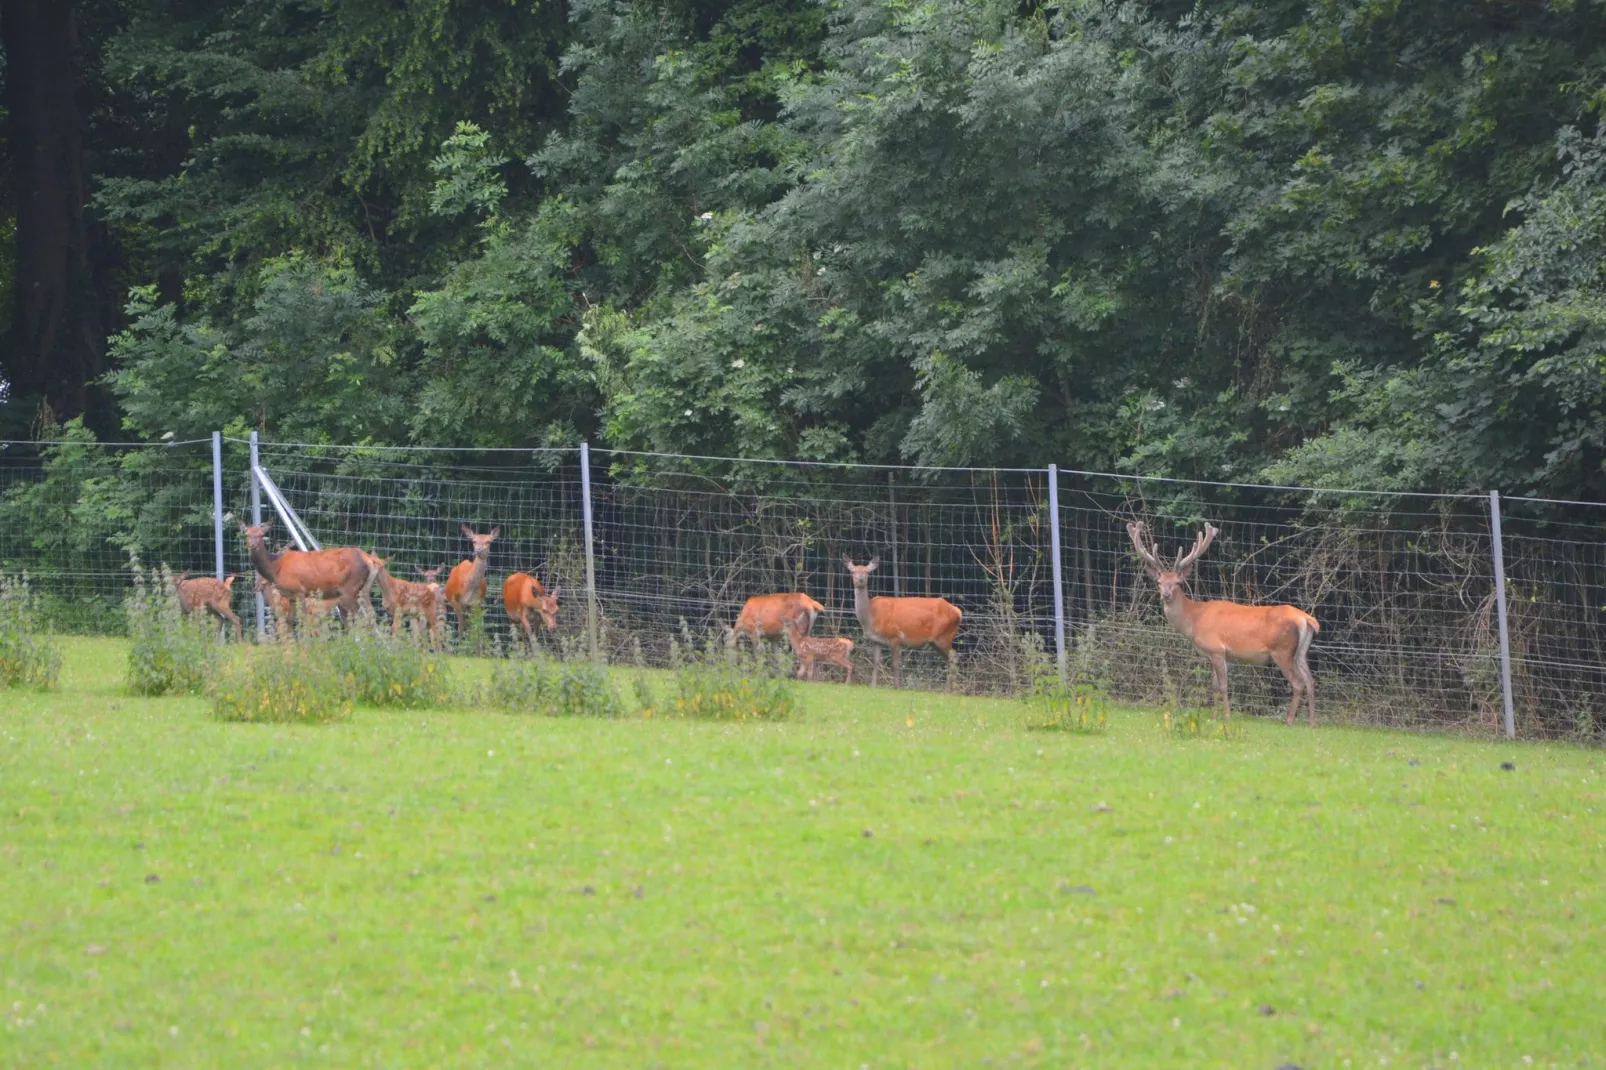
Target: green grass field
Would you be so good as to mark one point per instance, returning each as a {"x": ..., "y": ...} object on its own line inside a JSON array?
[{"x": 891, "y": 880}]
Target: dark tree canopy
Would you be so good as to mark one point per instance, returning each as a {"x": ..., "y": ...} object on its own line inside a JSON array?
[{"x": 1340, "y": 242}]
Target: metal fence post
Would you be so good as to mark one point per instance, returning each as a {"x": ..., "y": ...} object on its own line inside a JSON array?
[
  {"x": 1500, "y": 612},
  {"x": 217, "y": 500},
  {"x": 256, "y": 518},
  {"x": 892, "y": 521},
  {"x": 1059, "y": 585},
  {"x": 591, "y": 568}
]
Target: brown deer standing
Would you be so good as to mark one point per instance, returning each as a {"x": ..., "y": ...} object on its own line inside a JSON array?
[
  {"x": 767, "y": 615},
  {"x": 810, "y": 651},
  {"x": 1252, "y": 635},
  {"x": 404, "y": 599},
  {"x": 339, "y": 573},
  {"x": 465, "y": 585},
  {"x": 213, "y": 595},
  {"x": 902, "y": 623},
  {"x": 522, "y": 593}
]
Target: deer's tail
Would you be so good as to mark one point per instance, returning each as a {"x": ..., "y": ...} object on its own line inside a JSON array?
[{"x": 1308, "y": 627}]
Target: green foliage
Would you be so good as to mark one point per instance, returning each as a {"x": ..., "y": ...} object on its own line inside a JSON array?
[
  {"x": 568, "y": 686},
  {"x": 314, "y": 359},
  {"x": 391, "y": 673},
  {"x": 28, "y": 656},
  {"x": 1196, "y": 722},
  {"x": 1348, "y": 242},
  {"x": 720, "y": 683},
  {"x": 470, "y": 178},
  {"x": 1077, "y": 706},
  {"x": 290, "y": 683},
  {"x": 168, "y": 653}
]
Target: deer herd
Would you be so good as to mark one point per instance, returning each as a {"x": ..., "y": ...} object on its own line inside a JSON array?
[{"x": 338, "y": 582}]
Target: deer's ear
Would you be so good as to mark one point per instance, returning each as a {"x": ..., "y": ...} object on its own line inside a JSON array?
[
  {"x": 875, "y": 563},
  {"x": 1153, "y": 573},
  {"x": 467, "y": 532},
  {"x": 496, "y": 531},
  {"x": 846, "y": 560}
]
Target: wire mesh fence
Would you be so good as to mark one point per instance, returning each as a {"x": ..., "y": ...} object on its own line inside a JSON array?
[{"x": 1402, "y": 584}]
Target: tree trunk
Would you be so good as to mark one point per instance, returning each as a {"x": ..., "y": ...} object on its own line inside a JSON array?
[{"x": 58, "y": 346}]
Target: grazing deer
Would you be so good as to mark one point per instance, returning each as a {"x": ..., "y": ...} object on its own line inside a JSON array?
[
  {"x": 767, "y": 615},
  {"x": 1253, "y": 635},
  {"x": 521, "y": 593},
  {"x": 902, "y": 622},
  {"x": 210, "y": 594},
  {"x": 340, "y": 573},
  {"x": 810, "y": 651},
  {"x": 465, "y": 585},
  {"x": 405, "y": 598}
]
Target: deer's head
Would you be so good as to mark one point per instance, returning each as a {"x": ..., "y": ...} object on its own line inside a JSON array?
[
  {"x": 482, "y": 543},
  {"x": 547, "y": 605},
  {"x": 430, "y": 574},
  {"x": 861, "y": 573},
  {"x": 255, "y": 533},
  {"x": 1170, "y": 579}
]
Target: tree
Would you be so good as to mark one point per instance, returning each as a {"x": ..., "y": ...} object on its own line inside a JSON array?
[{"x": 57, "y": 346}]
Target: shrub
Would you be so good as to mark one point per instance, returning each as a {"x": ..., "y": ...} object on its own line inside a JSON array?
[
  {"x": 28, "y": 658},
  {"x": 289, "y": 684},
  {"x": 569, "y": 686},
  {"x": 1076, "y": 706},
  {"x": 382, "y": 671},
  {"x": 721, "y": 683},
  {"x": 168, "y": 654}
]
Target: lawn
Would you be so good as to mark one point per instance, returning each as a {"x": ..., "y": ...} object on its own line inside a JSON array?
[{"x": 894, "y": 879}]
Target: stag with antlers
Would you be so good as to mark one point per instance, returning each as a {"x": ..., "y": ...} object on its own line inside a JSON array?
[{"x": 1252, "y": 635}]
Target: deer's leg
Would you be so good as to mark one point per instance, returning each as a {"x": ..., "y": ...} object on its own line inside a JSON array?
[
  {"x": 1296, "y": 683},
  {"x": 952, "y": 664},
  {"x": 1302, "y": 664},
  {"x": 875, "y": 665},
  {"x": 1218, "y": 671},
  {"x": 897, "y": 666}
]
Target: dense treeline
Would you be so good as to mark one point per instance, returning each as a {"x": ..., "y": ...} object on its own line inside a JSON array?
[{"x": 1340, "y": 241}]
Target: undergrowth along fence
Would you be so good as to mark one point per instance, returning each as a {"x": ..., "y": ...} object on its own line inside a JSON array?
[{"x": 1407, "y": 587}]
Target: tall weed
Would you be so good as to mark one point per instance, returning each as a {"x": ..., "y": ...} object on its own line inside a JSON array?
[
  {"x": 570, "y": 685},
  {"x": 282, "y": 684},
  {"x": 390, "y": 672},
  {"x": 28, "y": 657},
  {"x": 168, "y": 654},
  {"x": 1076, "y": 705},
  {"x": 722, "y": 683}
]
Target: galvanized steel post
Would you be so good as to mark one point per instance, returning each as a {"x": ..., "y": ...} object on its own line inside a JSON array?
[
  {"x": 591, "y": 568},
  {"x": 1500, "y": 612}
]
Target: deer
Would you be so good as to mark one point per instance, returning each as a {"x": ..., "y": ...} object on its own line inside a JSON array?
[
  {"x": 1251, "y": 635},
  {"x": 811, "y": 651},
  {"x": 521, "y": 593},
  {"x": 902, "y": 623},
  {"x": 210, "y": 594},
  {"x": 365, "y": 601},
  {"x": 278, "y": 605},
  {"x": 767, "y": 615},
  {"x": 406, "y": 598},
  {"x": 339, "y": 573},
  {"x": 465, "y": 585}
]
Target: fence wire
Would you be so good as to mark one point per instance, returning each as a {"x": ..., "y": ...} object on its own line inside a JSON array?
[{"x": 1403, "y": 585}]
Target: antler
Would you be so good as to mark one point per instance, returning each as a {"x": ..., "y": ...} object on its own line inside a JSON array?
[
  {"x": 1149, "y": 554},
  {"x": 1200, "y": 545}
]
